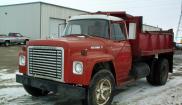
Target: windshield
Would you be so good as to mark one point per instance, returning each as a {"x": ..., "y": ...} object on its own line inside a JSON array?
[{"x": 92, "y": 27}]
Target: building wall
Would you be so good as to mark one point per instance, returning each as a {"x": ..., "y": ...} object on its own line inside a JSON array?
[
  {"x": 55, "y": 13},
  {"x": 24, "y": 19}
]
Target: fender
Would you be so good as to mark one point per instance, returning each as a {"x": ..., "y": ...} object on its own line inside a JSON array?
[
  {"x": 94, "y": 59},
  {"x": 89, "y": 62}
]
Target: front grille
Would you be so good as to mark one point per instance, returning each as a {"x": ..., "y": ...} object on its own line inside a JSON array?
[{"x": 46, "y": 62}]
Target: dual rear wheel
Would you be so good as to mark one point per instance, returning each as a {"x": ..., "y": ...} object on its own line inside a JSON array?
[{"x": 159, "y": 72}]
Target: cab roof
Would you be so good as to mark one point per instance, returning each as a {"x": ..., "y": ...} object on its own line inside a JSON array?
[{"x": 95, "y": 16}]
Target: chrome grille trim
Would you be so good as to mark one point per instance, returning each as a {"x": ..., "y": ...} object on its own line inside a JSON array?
[{"x": 46, "y": 62}]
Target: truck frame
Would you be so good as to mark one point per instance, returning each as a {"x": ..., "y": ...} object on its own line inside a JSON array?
[{"x": 98, "y": 53}]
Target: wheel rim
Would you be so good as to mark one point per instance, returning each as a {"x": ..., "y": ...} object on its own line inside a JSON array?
[{"x": 103, "y": 91}]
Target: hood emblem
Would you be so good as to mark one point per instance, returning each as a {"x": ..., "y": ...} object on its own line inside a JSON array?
[{"x": 96, "y": 47}]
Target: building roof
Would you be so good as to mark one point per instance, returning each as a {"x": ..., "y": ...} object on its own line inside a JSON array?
[
  {"x": 96, "y": 16},
  {"x": 43, "y": 3}
]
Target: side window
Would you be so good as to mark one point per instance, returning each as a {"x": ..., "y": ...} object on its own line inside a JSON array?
[
  {"x": 116, "y": 32},
  {"x": 74, "y": 29},
  {"x": 18, "y": 35},
  {"x": 11, "y": 34}
]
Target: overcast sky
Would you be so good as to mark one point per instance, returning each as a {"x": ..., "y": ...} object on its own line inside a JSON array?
[{"x": 161, "y": 13}]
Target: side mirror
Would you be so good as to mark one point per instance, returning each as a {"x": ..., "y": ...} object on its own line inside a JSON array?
[
  {"x": 61, "y": 28},
  {"x": 132, "y": 31}
]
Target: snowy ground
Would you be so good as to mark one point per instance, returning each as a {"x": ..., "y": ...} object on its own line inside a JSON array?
[{"x": 138, "y": 93}]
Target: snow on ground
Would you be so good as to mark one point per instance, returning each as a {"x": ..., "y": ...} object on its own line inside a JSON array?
[
  {"x": 142, "y": 93},
  {"x": 6, "y": 76},
  {"x": 9, "y": 89}
]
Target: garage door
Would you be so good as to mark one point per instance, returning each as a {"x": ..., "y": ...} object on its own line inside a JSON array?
[{"x": 56, "y": 27}]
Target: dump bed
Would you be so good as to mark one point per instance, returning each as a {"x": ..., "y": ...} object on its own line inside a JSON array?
[
  {"x": 152, "y": 42},
  {"x": 146, "y": 43}
]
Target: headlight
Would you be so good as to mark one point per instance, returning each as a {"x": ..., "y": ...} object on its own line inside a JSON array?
[
  {"x": 78, "y": 67},
  {"x": 22, "y": 60}
]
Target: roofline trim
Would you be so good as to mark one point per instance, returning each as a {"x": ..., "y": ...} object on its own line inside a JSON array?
[{"x": 44, "y": 3}]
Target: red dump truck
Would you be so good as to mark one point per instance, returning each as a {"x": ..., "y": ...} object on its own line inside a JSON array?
[{"x": 98, "y": 53}]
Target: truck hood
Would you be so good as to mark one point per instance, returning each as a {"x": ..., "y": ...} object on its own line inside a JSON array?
[{"x": 71, "y": 42}]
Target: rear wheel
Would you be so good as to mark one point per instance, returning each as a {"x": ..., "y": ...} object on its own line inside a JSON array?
[
  {"x": 159, "y": 72},
  {"x": 6, "y": 43},
  {"x": 35, "y": 91},
  {"x": 163, "y": 70},
  {"x": 100, "y": 91},
  {"x": 151, "y": 76}
]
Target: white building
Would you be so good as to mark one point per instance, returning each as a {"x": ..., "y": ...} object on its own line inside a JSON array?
[
  {"x": 150, "y": 28},
  {"x": 37, "y": 20}
]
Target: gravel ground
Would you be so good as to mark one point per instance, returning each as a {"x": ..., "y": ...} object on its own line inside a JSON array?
[{"x": 137, "y": 93}]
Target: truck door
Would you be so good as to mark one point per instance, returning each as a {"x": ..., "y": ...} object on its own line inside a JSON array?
[
  {"x": 12, "y": 37},
  {"x": 19, "y": 38},
  {"x": 121, "y": 50}
]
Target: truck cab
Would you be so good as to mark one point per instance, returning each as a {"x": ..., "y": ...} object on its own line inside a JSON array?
[{"x": 97, "y": 54}]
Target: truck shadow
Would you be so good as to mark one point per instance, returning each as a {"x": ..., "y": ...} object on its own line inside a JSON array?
[
  {"x": 56, "y": 100},
  {"x": 75, "y": 102}
]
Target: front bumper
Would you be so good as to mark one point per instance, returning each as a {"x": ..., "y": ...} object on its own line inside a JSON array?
[{"x": 65, "y": 91}]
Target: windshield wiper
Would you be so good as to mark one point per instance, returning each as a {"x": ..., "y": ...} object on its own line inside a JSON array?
[
  {"x": 93, "y": 35},
  {"x": 86, "y": 35}
]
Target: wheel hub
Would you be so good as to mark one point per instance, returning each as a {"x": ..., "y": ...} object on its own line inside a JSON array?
[{"x": 103, "y": 91}]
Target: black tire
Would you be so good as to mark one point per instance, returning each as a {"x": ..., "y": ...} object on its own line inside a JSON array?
[
  {"x": 159, "y": 73},
  {"x": 151, "y": 77},
  {"x": 25, "y": 42},
  {"x": 163, "y": 70},
  {"x": 35, "y": 91},
  {"x": 96, "y": 95},
  {"x": 6, "y": 43}
]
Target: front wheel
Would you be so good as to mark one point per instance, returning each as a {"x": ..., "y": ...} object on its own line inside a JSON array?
[
  {"x": 100, "y": 91},
  {"x": 35, "y": 91},
  {"x": 25, "y": 42}
]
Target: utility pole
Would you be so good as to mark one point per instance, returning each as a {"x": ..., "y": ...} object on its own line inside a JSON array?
[{"x": 179, "y": 28}]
